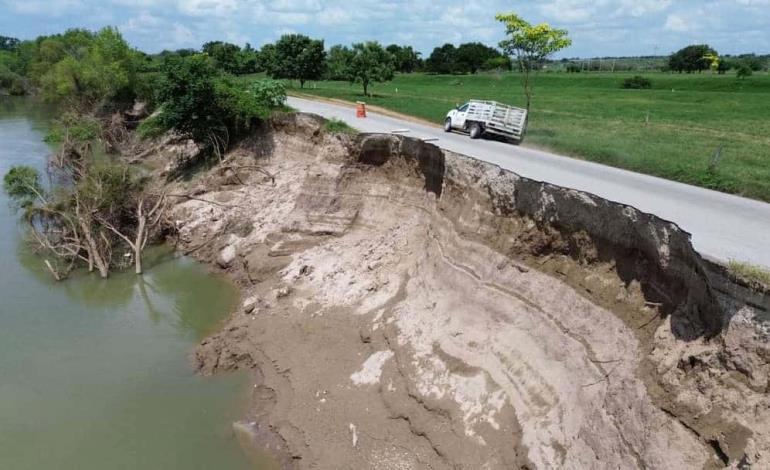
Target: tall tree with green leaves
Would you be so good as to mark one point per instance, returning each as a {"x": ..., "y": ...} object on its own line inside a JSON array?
[
  {"x": 226, "y": 56},
  {"x": 370, "y": 63},
  {"x": 87, "y": 68},
  {"x": 296, "y": 57},
  {"x": 338, "y": 63},
  {"x": 530, "y": 45},
  {"x": 443, "y": 59},
  {"x": 8, "y": 43},
  {"x": 694, "y": 58},
  {"x": 472, "y": 56},
  {"x": 407, "y": 59}
]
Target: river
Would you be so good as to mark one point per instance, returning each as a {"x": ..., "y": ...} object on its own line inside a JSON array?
[{"x": 95, "y": 374}]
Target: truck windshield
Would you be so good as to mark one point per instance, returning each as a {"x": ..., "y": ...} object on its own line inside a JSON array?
[{"x": 463, "y": 108}]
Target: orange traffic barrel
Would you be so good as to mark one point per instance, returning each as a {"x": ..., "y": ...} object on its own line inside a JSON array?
[{"x": 360, "y": 109}]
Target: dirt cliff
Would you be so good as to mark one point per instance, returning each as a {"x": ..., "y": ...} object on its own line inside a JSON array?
[{"x": 405, "y": 307}]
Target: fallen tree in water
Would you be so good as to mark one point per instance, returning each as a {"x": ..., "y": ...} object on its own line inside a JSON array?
[{"x": 92, "y": 208}]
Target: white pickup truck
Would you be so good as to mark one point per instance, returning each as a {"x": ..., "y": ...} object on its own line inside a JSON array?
[{"x": 478, "y": 117}]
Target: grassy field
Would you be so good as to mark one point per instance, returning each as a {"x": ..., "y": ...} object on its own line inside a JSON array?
[{"x": 672, "y": 130}]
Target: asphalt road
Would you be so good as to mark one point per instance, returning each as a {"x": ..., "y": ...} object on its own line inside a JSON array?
[{"x": 723, "y": 226}]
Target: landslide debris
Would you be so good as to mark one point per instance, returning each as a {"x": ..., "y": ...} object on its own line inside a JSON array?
[{"x": 406, "y": 307}]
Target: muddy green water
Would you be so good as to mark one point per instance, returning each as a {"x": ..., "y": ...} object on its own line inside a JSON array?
[{"x": 96, "y": 374}]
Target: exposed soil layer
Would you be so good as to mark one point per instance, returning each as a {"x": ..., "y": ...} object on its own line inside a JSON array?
[{"x": 404, "y": 307}]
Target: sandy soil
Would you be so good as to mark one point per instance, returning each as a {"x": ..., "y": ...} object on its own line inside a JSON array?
[{"x": 407, "y": 309}]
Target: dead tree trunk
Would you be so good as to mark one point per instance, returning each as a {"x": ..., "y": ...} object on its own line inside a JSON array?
[{"x": 146, "y": 221}]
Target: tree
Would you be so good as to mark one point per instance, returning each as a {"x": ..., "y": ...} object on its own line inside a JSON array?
[
  {"x": 713, "y": 60},
  {"x": 226, "y": 56},
  {"x": 248, "y": 60},
  {"x": 200, "y": 102},
  {"x": 470, "y": 57},
  {"x": 8, "y": 44},
  {"x": 92, "y": 208},
  {"x": 754, "y": 62},
  {"x": 531, "y": 45},
  {"x": 338, "y": 63},
  {"x": 297, "y": 57},
  {"x": 407, "y": 60},
  {"x": 22, "y": 184},
  {"x": 370, "y": 63},
  {"x": 744, "y": 71},
  {"x": 694, "y": 58},
  {"x": 498, "y": 63},
  {"x": 442, "y": 60},
  {"x": 187, "y": 90},
  {"x": 90, "y": 69},
  {"x": 723, "y": 66}
]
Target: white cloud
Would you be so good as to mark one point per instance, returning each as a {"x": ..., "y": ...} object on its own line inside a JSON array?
[
  {"x": 676, "y": 23},
  {"x": 207, "y": 7},
  {"x": 295, "y": 6},
  {"x": 334, "y": 16},
  {"x": 44, "y": 7},
  {"x": 144, "y": 22},
  {"x": 182, "y": 35},
  {"x": 638, "y": 8}
]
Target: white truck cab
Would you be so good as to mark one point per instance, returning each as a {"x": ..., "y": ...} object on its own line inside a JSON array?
[{"x": 478, "y": 117}]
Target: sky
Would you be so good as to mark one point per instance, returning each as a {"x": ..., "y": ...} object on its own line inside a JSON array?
[{"x": 597, "y": 27}]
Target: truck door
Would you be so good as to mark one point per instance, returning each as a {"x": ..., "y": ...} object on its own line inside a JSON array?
[{"x": 458, "y": 119}]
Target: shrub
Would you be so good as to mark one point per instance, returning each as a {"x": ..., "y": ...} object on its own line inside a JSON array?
[
  {"x": 637, "y": 82},
  {"x": 151, "y": 127},
  {"x": 74, "y": 127},
  {"x": 22, "y": 183},
  {"x": 756, "y": 276},
  {"x": 335, "y": 126},
  {"x": 744, "y": 71},
  {"x": 202, "y": 103},
  {"x": 12, "y": 83},
  {"x": 573, "y": 68},
  {"x": 497, "y": 63},
  {"x": 271, "y": 93}
]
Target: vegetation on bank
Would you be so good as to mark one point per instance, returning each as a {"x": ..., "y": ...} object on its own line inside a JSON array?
[
  {"x": 756, "y": 276},
  {"x": 98, "y": 212},
  {"x": 335, "y": 126},
  {"x": 674, "y": 130}
]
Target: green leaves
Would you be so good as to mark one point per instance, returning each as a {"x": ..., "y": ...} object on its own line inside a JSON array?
[
  {"x": 370, "y": 63},
  {"x": 201, "y": 102},
  {"x": 531, "y": 43},
  {"x": 269, "y": 93},
  {"x": 86, "y": 67},
  {"x": 693, "y": 58},
  {"x": 75, "y": 127},
  {"x": 295, "y": 57},
  {"x": 22, "y": 184}
]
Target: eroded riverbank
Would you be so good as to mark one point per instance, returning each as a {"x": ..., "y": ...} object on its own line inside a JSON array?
[{"x": 409, "y": 308}]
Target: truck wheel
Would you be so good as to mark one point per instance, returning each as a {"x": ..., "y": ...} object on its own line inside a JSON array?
[
  {"x": 448, "y": 125},
  {"x": 475, "y": 130}
]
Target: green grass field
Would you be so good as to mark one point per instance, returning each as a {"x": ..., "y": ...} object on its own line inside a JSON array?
[{"x": 590, "y": 116}]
